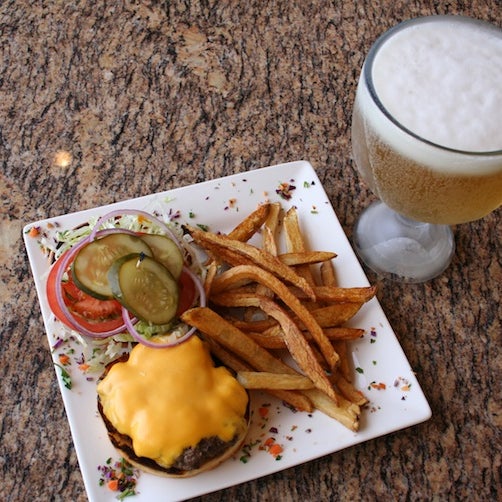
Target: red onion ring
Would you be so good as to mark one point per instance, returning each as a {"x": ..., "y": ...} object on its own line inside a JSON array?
[
  {"x": 66, "y": 259},
  {"x": 129, "y": 322}
]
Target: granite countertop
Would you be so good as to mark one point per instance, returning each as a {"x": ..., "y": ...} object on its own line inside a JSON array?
[{"x": 147, "y": 96}]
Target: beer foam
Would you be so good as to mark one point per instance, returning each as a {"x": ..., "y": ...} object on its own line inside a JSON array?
[{"x": 441, "y": 79}]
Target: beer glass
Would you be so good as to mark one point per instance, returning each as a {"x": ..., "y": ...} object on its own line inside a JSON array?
[{"x": 427, "y": 139}]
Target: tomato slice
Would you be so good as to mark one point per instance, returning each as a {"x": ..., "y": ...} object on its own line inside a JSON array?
[
  {"x": 96, "y": 315},
  {"x": 93, "y": 314},
  {"x": 187, "y": 292}
]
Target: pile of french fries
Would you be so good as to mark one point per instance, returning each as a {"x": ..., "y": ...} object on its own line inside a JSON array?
[{"x": 277, "y": 318}]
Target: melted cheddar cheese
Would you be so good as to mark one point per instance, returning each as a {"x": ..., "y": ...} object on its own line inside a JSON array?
[{"x": 168, "y": 399}]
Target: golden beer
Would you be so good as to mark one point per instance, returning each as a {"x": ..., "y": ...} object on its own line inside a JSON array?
[{"x": 427, "y": 119}]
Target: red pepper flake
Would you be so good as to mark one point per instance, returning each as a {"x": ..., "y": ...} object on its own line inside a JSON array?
[
  {"x": 378, "y": 386},
  {"x": 64, "y": 359},
  {"x": 263, "y": 411},
  {"x": 275, "y": 449},
  {"x": 285, "y": 190},
  {"x": 34, "y": 231}
]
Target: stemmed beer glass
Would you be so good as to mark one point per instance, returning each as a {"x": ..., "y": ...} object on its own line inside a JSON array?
[{"x": 427, "y": 139}]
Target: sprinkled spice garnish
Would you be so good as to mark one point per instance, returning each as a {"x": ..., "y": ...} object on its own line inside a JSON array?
[
  {"x": 119, "y": 476},
  {"x": 231, "y": 204},
  {"x": 174, "y": 215},
  {"x": 360, "y": 370},
  {"x": 403, "y": 384},
  {"x": 191, "y": 214},
  {"x": 314, "y": 210},
  {"x": 377, "y": 386},
  {"x": 263, "y": 411},
  {"x": 285, "y": 190},
  {"x": 34, "y": 231},
  {"x": 58, "y": 343},
  {"x": 204, "y": 228},
  {"x": 64, "y": 359},
  {"x": 275, "y": 449}
]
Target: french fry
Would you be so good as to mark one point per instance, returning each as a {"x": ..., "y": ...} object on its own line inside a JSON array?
[
  {"x": 295, "y": 242},
  {"x": 237, "y": 274},
  {"x": 334, "y": 294},
  {"x": 269, "y": 241},
  {"x": 238, "y": 253},
  {"x": 270, "y": 228},
  {"x": 305, "y": 257},
  {"x": 328, "y": 275},
  {"x": 269, "y": 381},
  {"x": 251, "y": 224},
  {"x": 345, "y": 412},
  {"x": 344, "y": 367},
  {"x": 212, "y": 269},
  {"x": 335, "y": 315},
  {"x": 342, "y": 333},
  {"x": 348, "y": 390}
]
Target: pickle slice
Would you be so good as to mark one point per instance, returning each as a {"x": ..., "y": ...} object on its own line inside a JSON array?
[
  {"x": 145, "y": 288},
  {"x": 166, "y": 251},
  {"x": 92, "y": 263}
]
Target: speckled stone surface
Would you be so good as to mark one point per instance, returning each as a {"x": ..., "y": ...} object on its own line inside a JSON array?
[{"x": 148, "y": 96}]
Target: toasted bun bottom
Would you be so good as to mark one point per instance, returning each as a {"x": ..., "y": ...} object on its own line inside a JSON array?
[{"x": 123, "y": 444}]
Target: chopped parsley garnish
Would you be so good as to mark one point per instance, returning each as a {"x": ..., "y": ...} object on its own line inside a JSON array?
[{"x": 65, "y": 376}]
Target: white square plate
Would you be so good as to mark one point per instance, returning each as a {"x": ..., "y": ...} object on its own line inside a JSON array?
[{"x": 378, "y": 357}]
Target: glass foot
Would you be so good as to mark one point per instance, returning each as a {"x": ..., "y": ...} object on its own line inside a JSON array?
[{"x": 402, "y": 249}]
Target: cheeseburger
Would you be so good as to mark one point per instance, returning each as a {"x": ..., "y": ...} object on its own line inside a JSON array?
[{"x": 170, "y": 411}]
